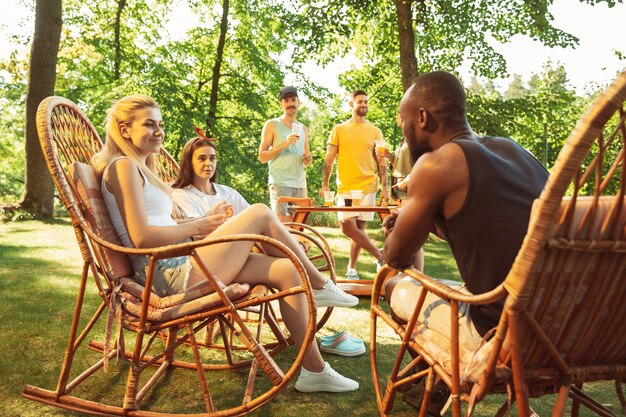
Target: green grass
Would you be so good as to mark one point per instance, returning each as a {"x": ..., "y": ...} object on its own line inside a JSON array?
[{"x": 39, "y": 269}]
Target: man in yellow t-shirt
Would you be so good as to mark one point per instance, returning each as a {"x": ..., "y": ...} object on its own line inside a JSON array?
[{"x": 352, "y": 143}]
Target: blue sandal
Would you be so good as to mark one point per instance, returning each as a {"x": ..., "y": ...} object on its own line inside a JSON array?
[{"x": 343, "y": 345}]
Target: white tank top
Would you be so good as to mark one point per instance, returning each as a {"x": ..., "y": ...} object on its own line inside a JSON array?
[{"x": 158, "y": 206}]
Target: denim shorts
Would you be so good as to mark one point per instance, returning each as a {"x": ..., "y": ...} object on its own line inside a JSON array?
[
  {"x": 282, "y": 191},
  {"x": 171, "y": 275}
]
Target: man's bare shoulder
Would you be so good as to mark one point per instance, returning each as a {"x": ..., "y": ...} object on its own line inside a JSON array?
[
  {"x": 268, "y": 132},
  {"x": 269, "y": 124},
  {"x": 441, "y": 161}
]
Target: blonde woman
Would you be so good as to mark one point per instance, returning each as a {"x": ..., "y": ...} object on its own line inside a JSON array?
[{"x": 140, "y": 207}]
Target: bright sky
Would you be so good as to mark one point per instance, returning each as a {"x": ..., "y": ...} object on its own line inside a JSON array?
[{"x": 592, "y": 61}]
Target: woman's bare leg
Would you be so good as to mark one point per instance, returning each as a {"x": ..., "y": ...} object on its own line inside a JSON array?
[
  {"x": 256, "y": 219},
  {"x": 280, "y": 273}
]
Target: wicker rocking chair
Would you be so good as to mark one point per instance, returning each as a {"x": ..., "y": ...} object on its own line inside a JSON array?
[
  {"x": 563, "y": 320},
  {"x": 164, "y": 329}
]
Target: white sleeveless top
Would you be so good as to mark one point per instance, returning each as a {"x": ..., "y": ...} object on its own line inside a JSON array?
[{"x": 158, "y": 206}]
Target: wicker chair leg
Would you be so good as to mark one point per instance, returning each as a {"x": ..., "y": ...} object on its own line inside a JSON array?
[
  {"x": 254, "y": 366},
  {"x": 561, "y": 402},
  {"x": 71, "y": 348},
  {"x": 504, "y": 409},
  {"x": 521, "y": 390},
  {"x": 208, "y": 401},
  {"x": 575, "y": 403},
  {"x": 209, "y": 334},
  {"x": 430, "y": 383},
  {"x": 590, "y": 403},
  {"x": 620, "y": 395}
]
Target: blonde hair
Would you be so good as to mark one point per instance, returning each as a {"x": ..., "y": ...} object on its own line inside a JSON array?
[{"x": 121, "y": 112}]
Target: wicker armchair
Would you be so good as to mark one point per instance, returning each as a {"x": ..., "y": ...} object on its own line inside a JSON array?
[
  {"x": 162, "y": 329},
  {"x": 563, "y": 320}
]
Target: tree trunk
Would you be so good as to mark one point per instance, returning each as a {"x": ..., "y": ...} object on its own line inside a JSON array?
[
  {"x": 118, "y": 48},
  {"x": 39, "y": 194},
  {"x": 215, "y": 79},
  {"x": 408, "y": 61}
]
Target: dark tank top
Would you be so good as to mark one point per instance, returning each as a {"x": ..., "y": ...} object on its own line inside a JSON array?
[{"x": 486, "y": 234}]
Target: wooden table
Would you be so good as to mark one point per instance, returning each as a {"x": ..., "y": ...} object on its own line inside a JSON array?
[
  {"x": 301, "y": 213},
  {"x": 358, "y": 287}
]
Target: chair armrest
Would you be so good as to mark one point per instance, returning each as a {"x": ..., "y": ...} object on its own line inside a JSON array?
[
  {"x": 440, "y": 289},
  {"x": 186, "y": 248},
  {"x": 448, "y": 293}
]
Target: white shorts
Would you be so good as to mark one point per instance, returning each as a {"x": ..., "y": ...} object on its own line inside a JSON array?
[
  {"x": 436, "y": 312},
  {"x": 368, "y": 200}
]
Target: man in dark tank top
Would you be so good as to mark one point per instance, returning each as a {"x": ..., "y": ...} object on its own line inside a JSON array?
[{"x": 478, "y": 191}]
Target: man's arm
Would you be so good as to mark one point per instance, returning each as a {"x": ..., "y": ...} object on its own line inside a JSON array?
[
  {"x": 267, "y": 139},
  {"x": 329, "y": 161},
  {"x": 438, "y": 184},
  {"x": 306, "y": 157}
]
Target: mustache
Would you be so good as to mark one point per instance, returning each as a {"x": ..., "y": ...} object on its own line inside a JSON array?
[{"x": 291, "y": 107}]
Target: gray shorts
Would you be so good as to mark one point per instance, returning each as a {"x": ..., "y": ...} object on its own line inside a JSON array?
[
  {"x": 171, "y": 276},
  {"x": 282, "y": 191}
]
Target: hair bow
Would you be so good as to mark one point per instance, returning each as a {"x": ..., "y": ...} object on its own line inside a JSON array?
[{"x": 201, "y": 134}]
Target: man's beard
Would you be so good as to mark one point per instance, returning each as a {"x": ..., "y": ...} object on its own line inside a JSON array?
[
  {"x": 415, "y": 150},
  {"x": 361, "y": 112}
]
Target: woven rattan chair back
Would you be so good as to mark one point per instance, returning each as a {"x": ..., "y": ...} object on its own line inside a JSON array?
[
  {"x": 71, "y": 138},
  {"x": 562, "y": 324},
  {"x": 568, "y": 285},
  {"x": 566, "y": 290}
]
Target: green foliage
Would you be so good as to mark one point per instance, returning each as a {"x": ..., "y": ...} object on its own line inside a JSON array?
[
  {"x": 539, "y": 116},
  {"x": 446, "y": 32},
  {"x": 178, "y": 72},
  {"x": 12, "y": 160}
]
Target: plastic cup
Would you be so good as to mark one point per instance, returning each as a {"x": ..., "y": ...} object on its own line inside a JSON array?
[
  {"x": 356, "y": 195},
  {"x": 380, "y": 147},
  {"x": 329, "y": 198},
  {"x": 297, "y": 128}
]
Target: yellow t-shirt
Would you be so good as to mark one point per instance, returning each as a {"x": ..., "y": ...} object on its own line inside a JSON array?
[{"x": 356, "y": 161}]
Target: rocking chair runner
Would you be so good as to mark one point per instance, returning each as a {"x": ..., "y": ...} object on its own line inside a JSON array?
[
  {"x": 68, "y": 140},
  {"x": 563, "y": 320}
]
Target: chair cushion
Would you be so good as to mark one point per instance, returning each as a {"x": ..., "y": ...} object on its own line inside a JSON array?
[
  {"x": 198, "y": 298},
  {"x": 87, "y": 187},
  {"x": 472, "y": 362}
]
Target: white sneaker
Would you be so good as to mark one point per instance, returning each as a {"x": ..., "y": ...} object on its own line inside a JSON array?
[
  {"x": 352, "y": 274},
  {"x": 332, "y": 296},
  {"x": 327, "y": 380}
]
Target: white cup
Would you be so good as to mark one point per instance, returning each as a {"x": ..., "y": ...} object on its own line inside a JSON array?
[
  {"x": 297, "y": 128},
  {"x": 329, "y": 198}
]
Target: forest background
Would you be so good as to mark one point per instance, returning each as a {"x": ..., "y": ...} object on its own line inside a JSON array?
[{"x": 224, "y": 71}]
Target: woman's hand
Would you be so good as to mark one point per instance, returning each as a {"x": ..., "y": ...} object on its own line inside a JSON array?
[
  {"x": 221, "y": 208},
  {"x": 207, "y": 224}
]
